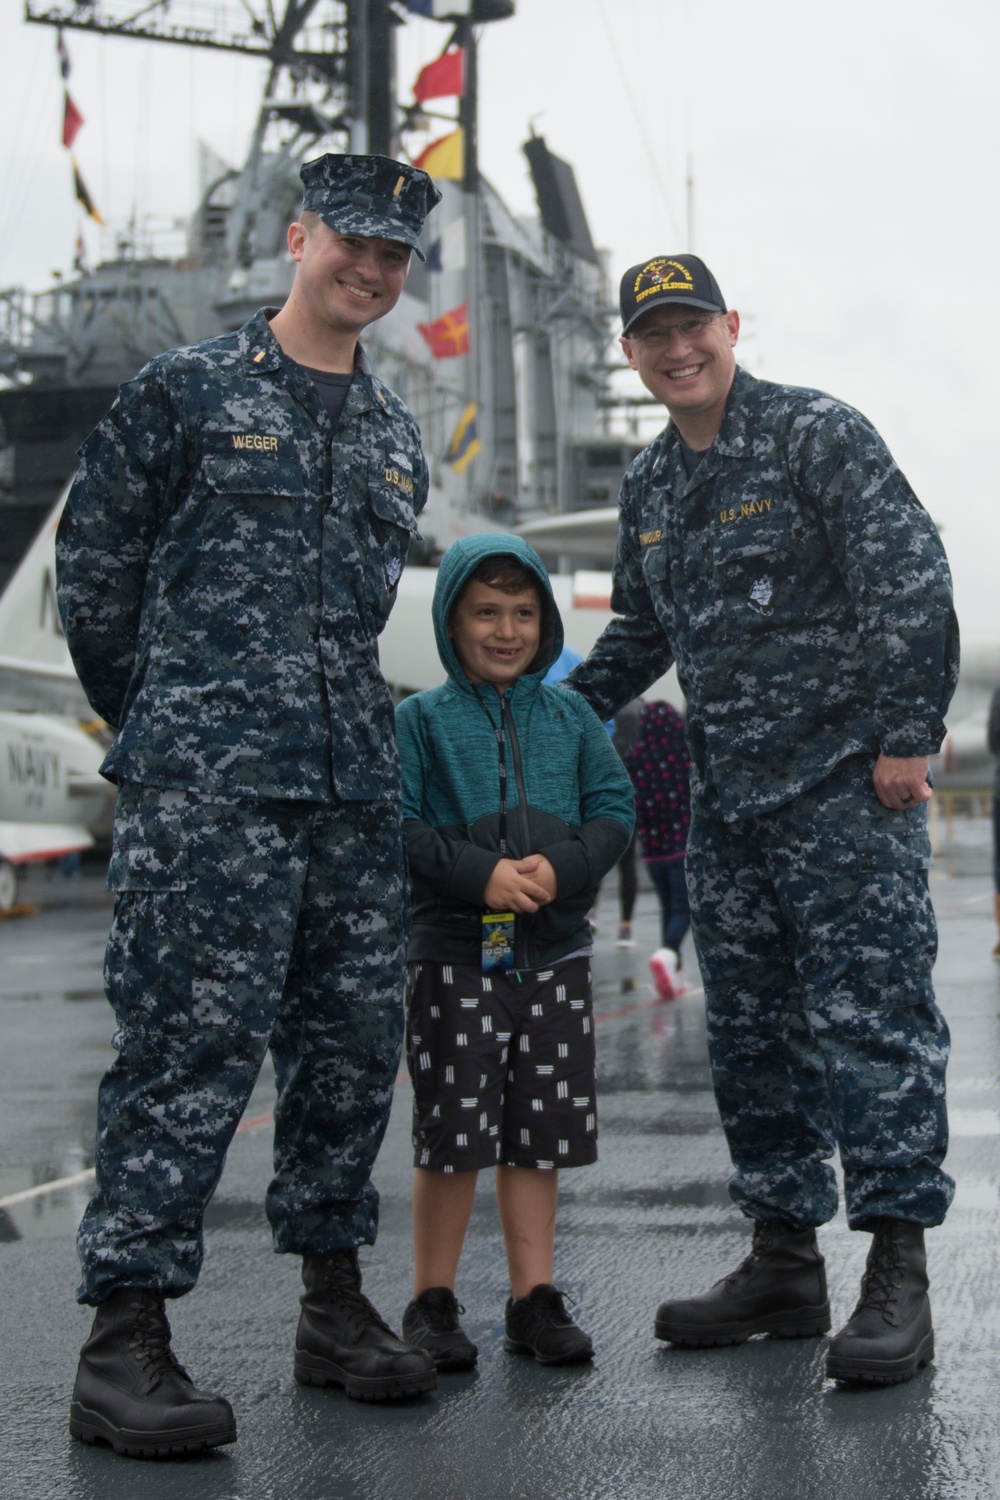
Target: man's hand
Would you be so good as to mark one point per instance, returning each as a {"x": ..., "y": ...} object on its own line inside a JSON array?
[
  {"x": 520, "y": 884},
  {"x": 901, "y": 781}
]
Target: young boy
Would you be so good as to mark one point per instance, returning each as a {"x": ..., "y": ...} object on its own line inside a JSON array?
[
  {"x": 659, "y": 768},
  {"x": 515, "y": 805}
]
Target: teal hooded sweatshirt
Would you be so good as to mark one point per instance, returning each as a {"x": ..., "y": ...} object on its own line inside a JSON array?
[{"x": 568, "y": 794}]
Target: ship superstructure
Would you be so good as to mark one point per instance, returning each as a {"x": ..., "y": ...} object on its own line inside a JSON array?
[{"x": 532, "y": 388}]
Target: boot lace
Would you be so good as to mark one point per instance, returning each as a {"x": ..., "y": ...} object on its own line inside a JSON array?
[
  {"x": 339, "y": 1281},
  {"x": 762, "y": 1244},
  {"x": 883, "y": 1274},
  {"x": 149, "y": 1338}
]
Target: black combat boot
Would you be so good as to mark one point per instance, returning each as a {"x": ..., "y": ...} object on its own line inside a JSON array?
[
  {"x": 779, "y": 1289},
  {"x": 131, "y": 1391},
  {"x": 889, "y": 1337},
  {"x": 342, "y": 1340}
]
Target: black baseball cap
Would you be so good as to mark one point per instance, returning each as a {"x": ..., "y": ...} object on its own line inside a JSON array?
[{"x": 668, "y": 279}]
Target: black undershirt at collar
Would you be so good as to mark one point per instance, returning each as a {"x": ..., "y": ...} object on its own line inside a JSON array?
[
  {"x": 692, "y": 456},
  {"x": 332, "y": 390}
]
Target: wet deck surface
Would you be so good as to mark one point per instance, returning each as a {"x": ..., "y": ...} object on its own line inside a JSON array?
[{"x": 652, "y": 1218}]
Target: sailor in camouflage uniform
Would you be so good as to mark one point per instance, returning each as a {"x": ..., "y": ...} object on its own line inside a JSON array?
[
  {"x": 770, "y": 546},
  {"x": 228, "y": 555}
]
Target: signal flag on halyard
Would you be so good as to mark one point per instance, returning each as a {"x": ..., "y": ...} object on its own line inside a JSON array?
[
  {"x": 82, "y": 196},
  {"x": 465, "y": 442},
  {"x": 442, "y": 78},
  {"x": 448, "y": 335},
  {"x": 439, "y": 10},
  {"x": 447, "y": 253},
  {"x": 72, "y": 120},
  {"x": 444, "y": 158},
  {"x": 62, "y": 54}
]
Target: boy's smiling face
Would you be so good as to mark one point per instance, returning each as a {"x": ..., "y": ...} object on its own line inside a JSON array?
[{"x": 495, "y": 634}]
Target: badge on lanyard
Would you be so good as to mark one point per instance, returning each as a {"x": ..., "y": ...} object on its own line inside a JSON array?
[{"x": 498, "y": 940}]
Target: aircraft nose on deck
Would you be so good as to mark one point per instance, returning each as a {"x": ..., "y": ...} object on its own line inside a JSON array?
[{"x": 652, "y": 1219}]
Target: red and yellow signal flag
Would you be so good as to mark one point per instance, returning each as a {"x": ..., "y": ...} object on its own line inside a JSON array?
[
  {"x": 444, "y": 158},
  {"x": 448, "y": 335}
]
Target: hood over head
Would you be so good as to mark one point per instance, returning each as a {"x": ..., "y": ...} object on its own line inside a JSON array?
[{"x": 461, "y": 559}]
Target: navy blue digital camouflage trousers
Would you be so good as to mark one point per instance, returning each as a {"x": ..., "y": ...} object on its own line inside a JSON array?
[
  {"x": 238, "y": 927},
  {"x": 816, "y": 939}
]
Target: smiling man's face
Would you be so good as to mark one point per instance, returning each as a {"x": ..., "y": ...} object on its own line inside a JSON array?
[
  {"x": 347, "y": 280},
  {"x": 685, "y": 359}
]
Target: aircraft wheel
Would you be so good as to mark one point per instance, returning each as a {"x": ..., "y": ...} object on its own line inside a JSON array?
[{"x": 8, "y": 886}]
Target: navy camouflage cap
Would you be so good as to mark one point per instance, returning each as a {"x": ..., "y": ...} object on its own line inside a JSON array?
[
  {"x": 666, "y": 279},
  {"x": 372, "y": 196}
]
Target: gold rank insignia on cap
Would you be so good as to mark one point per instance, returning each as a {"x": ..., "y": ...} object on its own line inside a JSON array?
[{"x": 369, "y": 195}]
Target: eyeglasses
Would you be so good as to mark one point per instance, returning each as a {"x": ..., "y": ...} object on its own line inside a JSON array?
[{"x": 658, "y": 336}]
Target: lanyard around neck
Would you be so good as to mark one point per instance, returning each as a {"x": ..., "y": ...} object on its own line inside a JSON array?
[{"x": 500, "y": 734}]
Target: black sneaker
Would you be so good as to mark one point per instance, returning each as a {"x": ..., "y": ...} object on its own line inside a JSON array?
[
  {"x": 539, "y": 1324},
  {"x": 342, "y": 1340},
  {"x": 431, "y": 1322},
  {"x": 132, "y": 1393}
]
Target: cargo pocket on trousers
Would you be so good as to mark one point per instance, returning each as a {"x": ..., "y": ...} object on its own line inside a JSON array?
[
  {"x": 150, "y": 882},
  {"x": 896, "y": 933},
  {"x": 148, "y": 867}
]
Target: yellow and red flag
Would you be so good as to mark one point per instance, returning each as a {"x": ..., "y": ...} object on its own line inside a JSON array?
[
  {"x": 448, "y": 335},
  {"x": 444, "y": 158}
]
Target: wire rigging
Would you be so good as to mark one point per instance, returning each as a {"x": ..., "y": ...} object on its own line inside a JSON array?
[{"x": 628, "y": 89}]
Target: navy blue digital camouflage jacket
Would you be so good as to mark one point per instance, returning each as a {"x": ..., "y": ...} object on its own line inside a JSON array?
[
  {"x": 226, "y": 562},
  {"x": 799, "y": 585}
]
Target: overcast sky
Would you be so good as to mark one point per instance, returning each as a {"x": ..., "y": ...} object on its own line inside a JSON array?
[{"x": 844, "y": 160}]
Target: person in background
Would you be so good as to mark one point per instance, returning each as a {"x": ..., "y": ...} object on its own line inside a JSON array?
[
  {"x": 564, "y": 663},
  {"x": 626, "y": 722},
  {"x": 993, "y": 740},
  {"x": 659, "y": 766}
]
